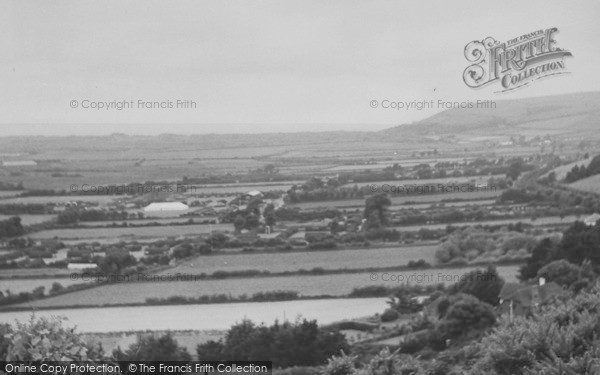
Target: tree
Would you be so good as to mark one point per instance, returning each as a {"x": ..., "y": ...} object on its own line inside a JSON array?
[
  {"x": 465, "y": 314},
  {"x": 580, "y": 242},
  {"x": 114, "y": 263},
  {"x": 239, "y": 223},
  {"x": 150, "y": 348},
  {"x": 515, "y": 168},
  {"x": 542, "y": 253},
  {"x": 269, "y": 215},
  {"x": 486, "y": 285},
  {"x": 56, "y": 288},
  {"x": 252, "y": 221},
  {"x": 253, "y": 206},
  {"x": 302, "y": 343},
  {"x": 563, "y": 273},
  {"x": 11, "y": 227},
  {"x": 375, "y": 211}
]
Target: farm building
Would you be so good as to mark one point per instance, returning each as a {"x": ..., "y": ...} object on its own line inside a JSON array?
[
  {"x": 166, "y": 206},
  {"x": 591, "y": 220},
  {"x": 81, "y": 266},
  {"x": 254, "y": 194},
  {"x": 519, "y": 299},
  {"x": 166, "y": 209}
]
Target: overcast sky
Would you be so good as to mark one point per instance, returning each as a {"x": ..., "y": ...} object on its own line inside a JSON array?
[{"x": 262, "y": 66}]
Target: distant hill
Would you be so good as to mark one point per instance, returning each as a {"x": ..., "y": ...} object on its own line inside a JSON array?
[{"x": 574, "y": 114}]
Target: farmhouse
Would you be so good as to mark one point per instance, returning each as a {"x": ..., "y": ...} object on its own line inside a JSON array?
[
  {"x": 253, "y": 194},
  {"x": 517, "y": 299},
  {"x": 590, "y": 221}
]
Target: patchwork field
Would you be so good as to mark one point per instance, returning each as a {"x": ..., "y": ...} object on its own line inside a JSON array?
[
  {"x": 138, "y": 232},
  {"x": 27, "y": 285},
  {"x": 334, "y": 285},
  {"x": 237, "y": 189},
  {"x": 417, "y": 206},
  {"x": 100, "y": 199},
  {"x": 550, "y": 220},
  {"x": 31, "y": 219},
  {"x": 162, "y": 221},
  {"x": 293, "y": 261},
  {"x": 401, "y": 199},
  {"x": 435, "y": 181}
]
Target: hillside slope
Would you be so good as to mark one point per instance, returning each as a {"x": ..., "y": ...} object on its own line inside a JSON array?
[{"x": 572, "y": 114}]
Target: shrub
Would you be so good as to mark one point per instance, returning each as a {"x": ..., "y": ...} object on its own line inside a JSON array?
[
  {"x": 389, "y": 315},
  {"x": 465, "y": 314},
  {"x": 47, "y": 340}
]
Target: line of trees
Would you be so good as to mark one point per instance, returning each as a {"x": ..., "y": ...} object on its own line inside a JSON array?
[{"x": 581, "y": 172}]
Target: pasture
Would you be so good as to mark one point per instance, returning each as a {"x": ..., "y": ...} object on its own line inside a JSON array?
[
  {"x": 136, "y": 232},
  {"x": 294, "y": 261},
  {"x": 590, "y": 184},
  {"x": 27, "y": 285},
  {"x": 30, "y": 219},
  {"x": 310, "y": 285},
  {"x": 401, "y": 199}
]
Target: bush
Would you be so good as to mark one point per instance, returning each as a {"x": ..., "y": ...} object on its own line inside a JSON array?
[
  {"x": 150, "y": 348},
  {"x": 559, "y": 339},
  {"x": 561, "y": 272},
  {"x": 302, "y": 343},
  {"x": 389, "y": 315},
  {"x": 485, "y": 285},
  {"x": 465, "y": 314},
  {"x": 47, "y": 340}
]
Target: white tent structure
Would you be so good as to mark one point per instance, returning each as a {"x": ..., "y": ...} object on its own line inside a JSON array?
[{"x": 166, "y": 208}]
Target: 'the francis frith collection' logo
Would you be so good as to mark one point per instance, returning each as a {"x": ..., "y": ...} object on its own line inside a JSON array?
[{"x": 514, "y": 63}]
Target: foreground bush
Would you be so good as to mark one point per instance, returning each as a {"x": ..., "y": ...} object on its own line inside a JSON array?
[
  {"x": 47, "y": 340},
  {"x": 302, "y": 343}
]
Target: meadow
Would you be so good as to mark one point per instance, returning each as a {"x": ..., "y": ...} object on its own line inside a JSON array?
[
  {"x": 100, "y": 199},
  {"x": 137, "y": 232},
  {"x": 310, "y": 285},
  {"x": 403, "y": 199},
  {"x": 446, "y": 180},
  {"x": 307, "y": 260},
  {"x": 31, "y": 219},
  {"x": 204, "y": 317},
  {"x": 549, "y": 220},
  {"x": 590, "y": 184},
  {"x": 161, "y": 221},
  {"x": 27, "y": 285}
]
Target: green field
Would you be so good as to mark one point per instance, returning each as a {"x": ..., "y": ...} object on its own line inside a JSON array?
[
  {"x": 421, "y": 206},
  {"x": 100, "y": 199},
  {"x": 446, "y": 180},
  {"x": 30, "y": 219},
  {"x": 293, "y": 261},
  {"x": 335, "y": 285},
  {"x": 138, "y": 232},
  {"x": 161, "y": 221},
  {"x": 27, "y": 285},
  {"x": 550, "y": 220},
  {"x": 32, "y": 272},
  {"x": 590, "y": 184},
  {"x": 402, "y": 199}
]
